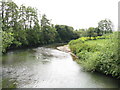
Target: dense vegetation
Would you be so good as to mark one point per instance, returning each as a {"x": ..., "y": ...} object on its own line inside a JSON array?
[
  {"x": 21, "y": 27},
  {"x": 99, "y": 53}
]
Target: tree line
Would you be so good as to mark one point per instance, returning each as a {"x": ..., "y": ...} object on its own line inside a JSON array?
[
  {"x": 22, "y": 27},
  {"x": 104, "y": 27}
]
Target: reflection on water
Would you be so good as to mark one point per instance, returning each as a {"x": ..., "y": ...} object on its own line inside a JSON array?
[{"x": 45, "y": 67}]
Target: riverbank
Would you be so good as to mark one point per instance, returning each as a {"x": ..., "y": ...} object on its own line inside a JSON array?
[
  {"x": 45, "y": 67},
  {"x": 98, "y": 54},
  {"x": 66, "y": 49},
  {"x": 53, "y": 45}
]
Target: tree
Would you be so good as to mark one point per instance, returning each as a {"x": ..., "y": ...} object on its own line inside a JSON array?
[
  {"x": 2, "y": 6},
  {"x": 91, "y": 32},
  {"x": 65, "y": 32},
  {"x": 21, "y": 27},
  {"x": 81, "y": 33},
  {"x": 7, "y": 40},
  {"x": 105, "y": 26},
  {"x": 44, "y": 21}
]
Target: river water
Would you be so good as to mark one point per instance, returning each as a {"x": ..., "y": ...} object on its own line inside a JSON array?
[{"x": 46, "y": 67}]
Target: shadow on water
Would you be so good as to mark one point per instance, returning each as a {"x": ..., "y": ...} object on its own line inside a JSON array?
[
  {"x": 47, "y": 67},
  {"x": 101, "y": 79}
]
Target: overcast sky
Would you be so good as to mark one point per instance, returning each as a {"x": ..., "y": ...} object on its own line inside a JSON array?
[{"x": 76, "y": 13}]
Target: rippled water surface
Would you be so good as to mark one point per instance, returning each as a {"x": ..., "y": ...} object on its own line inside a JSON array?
[{"x": 45, "y": 67}]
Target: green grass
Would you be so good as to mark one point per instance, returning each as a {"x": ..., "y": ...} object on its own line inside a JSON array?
[{"x": 100, "y": 42}]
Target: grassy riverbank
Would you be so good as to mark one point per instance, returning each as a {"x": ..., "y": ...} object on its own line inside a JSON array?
[{"x": 98, "y": 53}]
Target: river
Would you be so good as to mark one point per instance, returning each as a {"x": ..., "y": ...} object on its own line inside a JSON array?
[{"x": 47, "y": 67}]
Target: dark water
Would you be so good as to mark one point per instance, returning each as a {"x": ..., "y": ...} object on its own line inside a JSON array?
[{"x": 45, "y": 67}]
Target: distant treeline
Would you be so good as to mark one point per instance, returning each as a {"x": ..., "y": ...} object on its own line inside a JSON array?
[{"x": 23, "y": 27}]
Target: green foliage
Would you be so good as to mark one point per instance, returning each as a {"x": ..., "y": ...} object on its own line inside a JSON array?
[
  {"x": 20, "y": 38},
  {"x": 48, "y": 34},
  {"x": 21, "y": 27},
  {"x": 65, "y": 32},
  {"x": 7, "y": 40},
  {"x": 105, "y": 26},
  {"x": 81, "y": 33},
  {"x": 45, "y": 21},
  {"x": 100, "y": 55},
  {"x": 91, "y": 32}
]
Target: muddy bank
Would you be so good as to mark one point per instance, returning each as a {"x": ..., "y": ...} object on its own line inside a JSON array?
[{"x": 66, "y": 49}]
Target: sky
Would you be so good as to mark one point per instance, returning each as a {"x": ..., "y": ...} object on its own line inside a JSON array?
[{"x": 76, "y": 13}]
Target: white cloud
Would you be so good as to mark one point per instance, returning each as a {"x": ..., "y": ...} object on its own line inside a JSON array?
[{"x": 76, "y": 13}]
